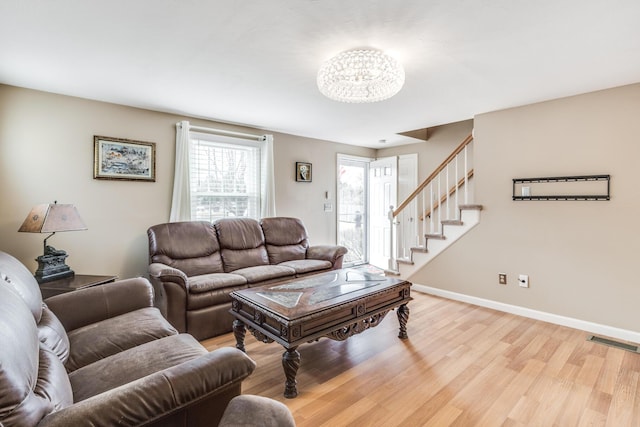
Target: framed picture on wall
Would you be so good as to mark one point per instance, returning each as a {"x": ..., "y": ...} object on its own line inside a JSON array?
[
  {"x": 126, "y": 159},
  {"x": 303, "y": 172}
]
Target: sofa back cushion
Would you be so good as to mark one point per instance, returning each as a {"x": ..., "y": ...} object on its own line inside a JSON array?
[
  {"x": 241, "y": 243},
  {"x": 33, "y": 381},
  {"x": 15, "y": 275},
  {"x": 52, "y": 334},
  {"x": 286, "y": 239},
  {"x": 189, "y": 246}
]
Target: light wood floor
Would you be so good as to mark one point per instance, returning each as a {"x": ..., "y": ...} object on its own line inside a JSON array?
[{"x": 461, "y": 366}]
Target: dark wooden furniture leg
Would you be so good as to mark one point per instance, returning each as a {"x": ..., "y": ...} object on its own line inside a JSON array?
[
  {"x": 239, "y": 332},
  {"x": 290, "y": 363},
  {"x": 403, "y": 317}
]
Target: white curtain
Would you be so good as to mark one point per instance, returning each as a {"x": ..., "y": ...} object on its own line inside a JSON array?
[
  {"x": 267, "y": 180},
  {"x": 181, "y": 200}
]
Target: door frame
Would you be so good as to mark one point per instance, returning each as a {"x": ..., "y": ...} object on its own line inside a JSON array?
[{"x": 365, "y": 219}]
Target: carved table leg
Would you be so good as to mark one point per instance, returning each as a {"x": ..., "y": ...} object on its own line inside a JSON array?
[
  {"x": 403, "y": 317},
  {"x": 290, "y": 363},
  {"x": 239, "y": 332}
]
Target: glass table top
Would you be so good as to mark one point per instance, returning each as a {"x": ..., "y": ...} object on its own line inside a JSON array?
[{"x": 321, "y": 288}]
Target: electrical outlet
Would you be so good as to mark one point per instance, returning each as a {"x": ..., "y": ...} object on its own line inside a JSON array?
[
  {"x": 523, "y": 280},
  {"x": 502, "y": 278}
]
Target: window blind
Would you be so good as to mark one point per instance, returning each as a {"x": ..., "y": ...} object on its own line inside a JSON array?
[{"x": 225, "y": 177}]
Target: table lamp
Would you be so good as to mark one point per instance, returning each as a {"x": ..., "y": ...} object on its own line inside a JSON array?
[{"x": 51, "y": 218}]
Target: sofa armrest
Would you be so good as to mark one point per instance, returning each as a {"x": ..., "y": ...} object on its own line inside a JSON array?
[
  {"x": 331, "y": 253},
  {"x": 163, "y": 273},
  {"x": 94, "y": 304},
  {"x": 195, "y": 385},
  {"x": 172, "y": 290}
]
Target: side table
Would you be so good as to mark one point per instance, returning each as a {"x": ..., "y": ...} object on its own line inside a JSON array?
[{"x": 68, "y": 284}]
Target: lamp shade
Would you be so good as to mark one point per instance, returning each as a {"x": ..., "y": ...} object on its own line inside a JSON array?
[{"x": 51, "y": 218}]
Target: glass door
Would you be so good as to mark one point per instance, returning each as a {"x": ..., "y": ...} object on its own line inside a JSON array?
[{"x": 352, "y": 202}]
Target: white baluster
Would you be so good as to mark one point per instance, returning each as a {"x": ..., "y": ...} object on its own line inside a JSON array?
[
  {"x": 466, "y": 177},
  {"x": 439, "y": 205},
  {"x": 424, "y": 220},
  {"x": 431, "y": 208},
  {"x": 392, "y": 257},
  {"x": 446, "y": 189},
  {"x": 455, "y": 182}
]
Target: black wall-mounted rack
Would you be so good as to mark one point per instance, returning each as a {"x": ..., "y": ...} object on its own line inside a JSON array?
[{"x": 517, "y": 182}]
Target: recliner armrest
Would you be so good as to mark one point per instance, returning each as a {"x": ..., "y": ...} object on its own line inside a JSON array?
[
  {"x": 247, "y": 410},
  {"x": 164, "y": 394},
  {"x": 94, "y": 304},
  {"x": 331, "y": 253}
]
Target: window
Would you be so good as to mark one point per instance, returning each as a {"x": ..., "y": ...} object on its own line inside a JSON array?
[{"x": 224, "y": 177}]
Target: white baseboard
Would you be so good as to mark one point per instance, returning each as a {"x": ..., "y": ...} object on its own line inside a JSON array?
[{"x": 583, "y": 325}]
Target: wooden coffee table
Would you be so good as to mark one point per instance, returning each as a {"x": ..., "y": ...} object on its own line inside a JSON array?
[{"x": 337, "y": 304}]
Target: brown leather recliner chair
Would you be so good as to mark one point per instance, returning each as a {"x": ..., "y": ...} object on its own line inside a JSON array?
[{"x": 104, "y": 356}]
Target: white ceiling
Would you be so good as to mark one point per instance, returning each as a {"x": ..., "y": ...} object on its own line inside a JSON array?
[{"x": 254, "y": 62}]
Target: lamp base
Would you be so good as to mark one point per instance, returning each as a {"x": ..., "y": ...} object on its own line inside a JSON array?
[{"x": 51, "y": 265}]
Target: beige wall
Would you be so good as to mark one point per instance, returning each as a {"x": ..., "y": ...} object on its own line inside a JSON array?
[
  {"x": 46, "y": 154},
  {"x": 441, "y": 142},
  {"x": 306, "y": 199},
  {"x": 581, "y": 256}
]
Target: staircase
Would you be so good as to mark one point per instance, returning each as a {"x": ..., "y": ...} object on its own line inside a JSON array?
[{"x": 435, "y": 215}]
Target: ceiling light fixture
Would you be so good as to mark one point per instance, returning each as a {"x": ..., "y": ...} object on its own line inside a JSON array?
[{"x": 360, "y": 75}]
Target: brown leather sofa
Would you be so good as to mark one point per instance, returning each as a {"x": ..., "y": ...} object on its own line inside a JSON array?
[
  {"x": 195, "y": 265},
  {"x": 104, "y": 356}
]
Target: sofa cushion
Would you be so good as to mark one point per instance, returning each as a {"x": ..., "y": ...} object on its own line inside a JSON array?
[
  {"x": 305, "y": 266},
  {"x": 241, "y": 243},
  {"x": 16, "y": 276},
  {"x": 286, "y": 239},
  {"x": 238, "y": 259},
  {"x": 215, "y": 281},
  {"x": 52, "y": 334},
  {"x": 212, "y": 298},
  {"x": 189, "y": 246},
  {"x": 263, "y": 273},
  {"x": 132, "y": 364},
  {"x": 53, "y": 383},
  {"x": 105, "y": 338},
  {"x": 213, "y": 289},
  {"x": 19, "y": 361}
]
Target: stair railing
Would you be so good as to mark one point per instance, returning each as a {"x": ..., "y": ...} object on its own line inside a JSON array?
[{"x": 437, "y": 200}]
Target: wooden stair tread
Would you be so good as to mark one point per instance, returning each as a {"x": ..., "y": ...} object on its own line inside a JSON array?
[
  {"x": 435, "y": 236},
  {"x": 470, "y": 207}
]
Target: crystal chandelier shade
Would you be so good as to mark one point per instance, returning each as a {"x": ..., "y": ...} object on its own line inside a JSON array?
[{"x": 360, "y": 75}]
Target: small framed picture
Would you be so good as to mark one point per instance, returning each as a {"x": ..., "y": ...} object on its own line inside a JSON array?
[
  {"x": 303, "y": 172},
  {"x": 117, "y": 158}
]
